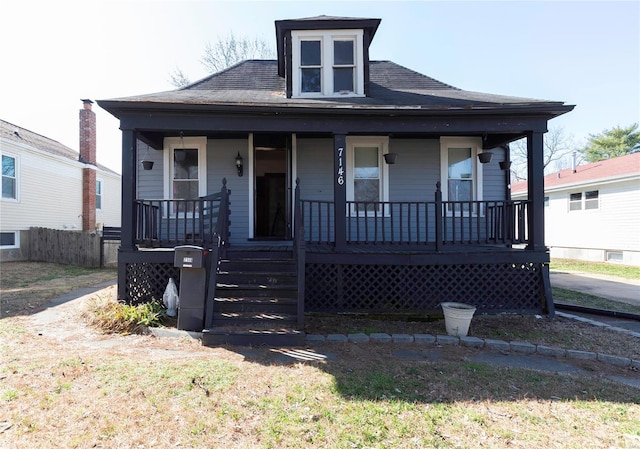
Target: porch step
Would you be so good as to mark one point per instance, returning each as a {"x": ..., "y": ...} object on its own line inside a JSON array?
[
  {"x": 247, "y": 337},
  {"x": 256, "y": 300},
  {"x": 257, "y": 304},
  {"x": 257, "y": 320}
]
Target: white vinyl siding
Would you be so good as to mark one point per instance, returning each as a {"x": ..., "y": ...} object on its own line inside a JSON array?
[
  {"x": 110, "y": 213},
  {"x": 592, "y": 234}
]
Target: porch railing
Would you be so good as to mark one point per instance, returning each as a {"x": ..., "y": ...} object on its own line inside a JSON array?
[
  {"x": 435, "y": 222},
  {"x": 202, "y": 221}
]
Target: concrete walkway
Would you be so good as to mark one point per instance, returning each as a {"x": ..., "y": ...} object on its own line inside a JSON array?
[{"x": 608, "y": 287}]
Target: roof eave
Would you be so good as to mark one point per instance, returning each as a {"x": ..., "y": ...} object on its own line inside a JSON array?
[{"x": 549, "y": 109}]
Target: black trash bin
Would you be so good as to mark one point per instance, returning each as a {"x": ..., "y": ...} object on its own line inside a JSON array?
[{"x": 193, "y": 283}]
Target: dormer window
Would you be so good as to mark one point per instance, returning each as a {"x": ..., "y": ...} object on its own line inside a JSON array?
[{"x": 327, "y": 63}]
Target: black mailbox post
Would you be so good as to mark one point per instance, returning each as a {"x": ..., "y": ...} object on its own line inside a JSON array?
[{"x": 193, "y": 283}]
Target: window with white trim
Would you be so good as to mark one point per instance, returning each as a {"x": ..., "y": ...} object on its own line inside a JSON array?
[
  {"x": 367, "y": 174},
  {"x": 588, "y": 200},
  {"x": 9, "y": 177},
  {"x": 327, "y": 63},
  {"x": 185, "y": 170},
  {"x": 10, "y": 239},
  {"x": 98, "y": 194},
  {"x": 461, "y": 174}
]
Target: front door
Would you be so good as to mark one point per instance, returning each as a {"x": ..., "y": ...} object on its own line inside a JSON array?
[{"x": 272, "y": 187}]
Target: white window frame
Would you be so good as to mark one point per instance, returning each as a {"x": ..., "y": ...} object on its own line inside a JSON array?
[
  {"x": 382, "y": 142},
  {"x": 99, "y": 193},
  {"x": 16, "y": 240},
  {"x": 475, "y": 144},
  {"x": 591, "y": 200},
  {"x": 178, "y": 143},
  {"x": 16, "y": 160},
  {"x": 326, "y": 39},
  {"x": 583, "y": 201}
]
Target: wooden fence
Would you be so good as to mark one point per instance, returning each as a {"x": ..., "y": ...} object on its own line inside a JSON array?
[{"x": 65, "y": 247}]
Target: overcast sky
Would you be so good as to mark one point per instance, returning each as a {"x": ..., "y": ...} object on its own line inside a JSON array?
[{"x": 56, "y": 52}]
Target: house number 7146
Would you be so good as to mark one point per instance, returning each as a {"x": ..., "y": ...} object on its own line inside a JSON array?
[{"x": 340, "y": 178}]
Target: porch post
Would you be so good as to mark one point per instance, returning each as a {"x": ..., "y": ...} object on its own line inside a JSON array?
[
  {"x": 339, "y": 190},
  {"x": 129, "y": 173},
  {"x": 535, "y": 187}
]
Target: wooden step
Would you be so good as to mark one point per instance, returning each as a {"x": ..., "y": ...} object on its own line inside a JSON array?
[
  {"x": 256, "y": 304},
  {"x": 255, "y": 320},
  {"x": 252, "y": 337},
  {"x": 255, "y": 277},
  {"x": 259, "y": 265},
  {"x": 261, "y": 291}
]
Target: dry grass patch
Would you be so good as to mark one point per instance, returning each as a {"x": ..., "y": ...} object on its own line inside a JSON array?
[
  {"x": 25, "y": 287},
  {"x": 241, "y": 398},
  {"x": 562, "y": 332}
]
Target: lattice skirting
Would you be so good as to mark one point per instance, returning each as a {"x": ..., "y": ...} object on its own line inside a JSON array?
[
  {"x": 147, "y": 281},
  {"x": 413, "y": 288},
  {"x": 334, "y": 288}
]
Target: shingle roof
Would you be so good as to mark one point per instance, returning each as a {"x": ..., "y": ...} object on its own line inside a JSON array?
[
  {"x": 608, "y": 169},
  {"x": 256, "y": 83},
  {"x": 16, "y": 133}
]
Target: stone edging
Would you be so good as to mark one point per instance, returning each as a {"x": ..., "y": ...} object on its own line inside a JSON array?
[
  {"x": 477, "y": 343},
  {"x": 469, "y": 342}
]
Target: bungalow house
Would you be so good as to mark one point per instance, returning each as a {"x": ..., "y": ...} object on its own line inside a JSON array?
[
  {"x": 337, "y": 184},
  {"x": 592, "y": 211},
  {"x": 46, "y": 184}
]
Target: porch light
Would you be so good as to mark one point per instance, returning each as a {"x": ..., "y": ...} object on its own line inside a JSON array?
[
  {"x": 239, "y": 164},
  {"x": 485, "y": 157}
]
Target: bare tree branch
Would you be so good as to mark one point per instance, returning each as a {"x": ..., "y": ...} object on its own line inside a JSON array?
[
  {"x": 558, "y": 149},
  {"x": 230, "y": 50},
  {"x": 178, "y": 78}
]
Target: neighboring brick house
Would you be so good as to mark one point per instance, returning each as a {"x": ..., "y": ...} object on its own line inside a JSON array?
[
  {"x": 592, "y": 211},
  {"x": 46, "y": 184}
]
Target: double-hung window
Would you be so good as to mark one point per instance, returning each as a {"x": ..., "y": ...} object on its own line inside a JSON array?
[
  {"x": 310, "y": 66},
  {"x": 343, "y": 66},
  {"x": 327, "y": 63},
  {"x": 367, "y": 174},
  {"x": 9, "y": 177},
  {"x": 461, "y": 182},
  {"x": 185, "y": 171}
]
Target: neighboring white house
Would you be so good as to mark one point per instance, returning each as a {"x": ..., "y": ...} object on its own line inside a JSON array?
[
  {"x": 592, "y": 212},
  {"x": 46, "y": 184}
]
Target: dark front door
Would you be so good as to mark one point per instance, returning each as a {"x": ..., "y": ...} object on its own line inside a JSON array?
[{"x": 271, "y": 193}]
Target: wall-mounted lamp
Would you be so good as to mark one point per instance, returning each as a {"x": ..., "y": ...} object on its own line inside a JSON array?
[
  {"x": 239, "y": 164},
  {"x": 485, "y": 157},
  {"x": 390, "y": 158}
]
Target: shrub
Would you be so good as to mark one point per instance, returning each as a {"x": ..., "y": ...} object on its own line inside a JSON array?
[{"x": 112, "y": 316}]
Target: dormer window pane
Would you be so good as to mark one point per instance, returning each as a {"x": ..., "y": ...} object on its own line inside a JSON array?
[
  {"x": 311, "y": 80},
  {"x": 343, "y": 79},
  {"x": 310, "y": 53},
  {"x": 343, "y": 52}
]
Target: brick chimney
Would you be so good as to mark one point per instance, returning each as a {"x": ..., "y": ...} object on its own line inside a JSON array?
[{"x": 88, "y": 157}]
